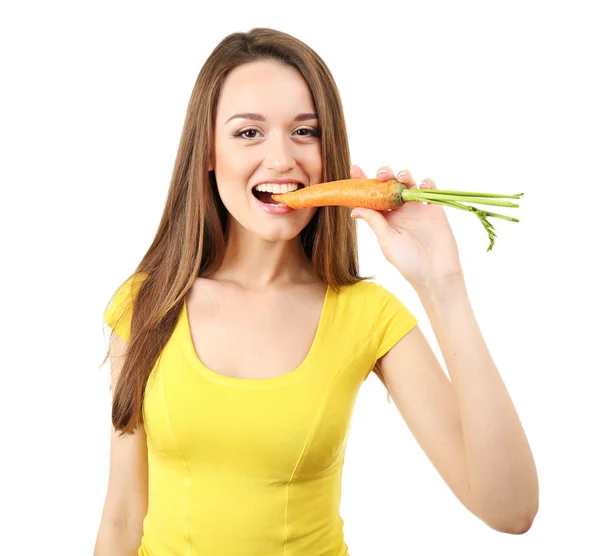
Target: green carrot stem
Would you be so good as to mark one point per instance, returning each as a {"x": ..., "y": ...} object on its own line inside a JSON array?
[
  {"x": 473, "y": 209},
  {"x": 495, "y": 215},
  {"x": 466, "y": 193},
  {"x": 426, "y": 194},
  {"x": 475, "y": 200},
  {"x": 481, "y": 214}
]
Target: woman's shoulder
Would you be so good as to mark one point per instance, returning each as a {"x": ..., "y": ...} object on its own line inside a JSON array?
[
  {"x": 371, "y": 295},
  {"x": 368, "y": 286},
  {"x": 118, "y": 314},
  {"x": 365, "y": 287}
]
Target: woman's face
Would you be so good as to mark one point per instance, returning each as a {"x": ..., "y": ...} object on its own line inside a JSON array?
[{"x": 267, "y": 143}]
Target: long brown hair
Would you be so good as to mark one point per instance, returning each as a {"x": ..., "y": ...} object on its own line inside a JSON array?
[{"x": 190, "y": 240}]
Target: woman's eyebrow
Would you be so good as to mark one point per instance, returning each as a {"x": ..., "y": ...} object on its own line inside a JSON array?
[{"x": 260, "y": 118}]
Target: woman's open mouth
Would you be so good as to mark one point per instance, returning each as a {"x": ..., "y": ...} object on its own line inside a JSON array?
[{"x": 264, "y": 192}]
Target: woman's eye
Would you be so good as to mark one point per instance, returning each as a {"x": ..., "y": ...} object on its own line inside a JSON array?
[
  {"x": 306, "y": 132},
  {"x": 310, "y": 132},
  {"x": 241, "y": 133}
]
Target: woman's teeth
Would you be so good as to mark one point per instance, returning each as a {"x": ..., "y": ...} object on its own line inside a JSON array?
[{"x": 277, "y": 187}]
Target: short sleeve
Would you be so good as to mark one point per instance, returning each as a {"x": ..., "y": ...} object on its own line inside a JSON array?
[
  {"x": 393, "y": 320},
  {"x": 118, "y": 314}
]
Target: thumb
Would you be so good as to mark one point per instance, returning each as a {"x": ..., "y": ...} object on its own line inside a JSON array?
[{"x": 374, "y": 219}]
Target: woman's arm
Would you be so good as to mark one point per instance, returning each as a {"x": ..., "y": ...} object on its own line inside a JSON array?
[
  {"x": 116, "y": 539},
  {"x": 126, "y": 503},
  {"x": 468, "y": 427}
]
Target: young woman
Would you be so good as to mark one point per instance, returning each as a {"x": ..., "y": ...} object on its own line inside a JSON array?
[{"x": 243, "y": 336}]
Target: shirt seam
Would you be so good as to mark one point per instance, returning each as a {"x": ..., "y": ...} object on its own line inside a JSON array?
[
  {"x": 312, "y": 428},
  {"x": 187, "y": 486},
  {"x": 394, "y": 337}
]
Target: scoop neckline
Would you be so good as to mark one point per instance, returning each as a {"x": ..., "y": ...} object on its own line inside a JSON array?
[{"x": 255, "y": 383}]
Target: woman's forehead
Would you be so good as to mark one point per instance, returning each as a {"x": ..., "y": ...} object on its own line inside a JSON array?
[{"x": 270, "y": 90}]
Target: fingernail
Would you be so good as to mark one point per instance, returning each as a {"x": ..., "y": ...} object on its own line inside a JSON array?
[
  {"x": 402, "y": 174},
  {"x": 381, "y": 172}
]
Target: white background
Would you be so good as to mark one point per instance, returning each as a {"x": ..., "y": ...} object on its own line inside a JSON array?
[{"x": 480, "y": 96}]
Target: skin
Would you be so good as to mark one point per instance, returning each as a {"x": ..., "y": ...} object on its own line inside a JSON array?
[{"x": 264, "y": 250}]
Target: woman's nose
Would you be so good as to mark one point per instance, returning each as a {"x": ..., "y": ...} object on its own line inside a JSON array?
[{"x": 280, "y": 155}]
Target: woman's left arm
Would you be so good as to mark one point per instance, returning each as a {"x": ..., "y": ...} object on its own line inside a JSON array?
[{"x": 468, "y": 427}]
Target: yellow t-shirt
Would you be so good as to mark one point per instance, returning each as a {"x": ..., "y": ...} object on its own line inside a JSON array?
[{"x": 253, "y": 467}]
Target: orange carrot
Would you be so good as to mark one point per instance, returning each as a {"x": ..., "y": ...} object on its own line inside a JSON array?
[
  {"x": 391, "y": 194},
  {"x": 368, "y": 193}
]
